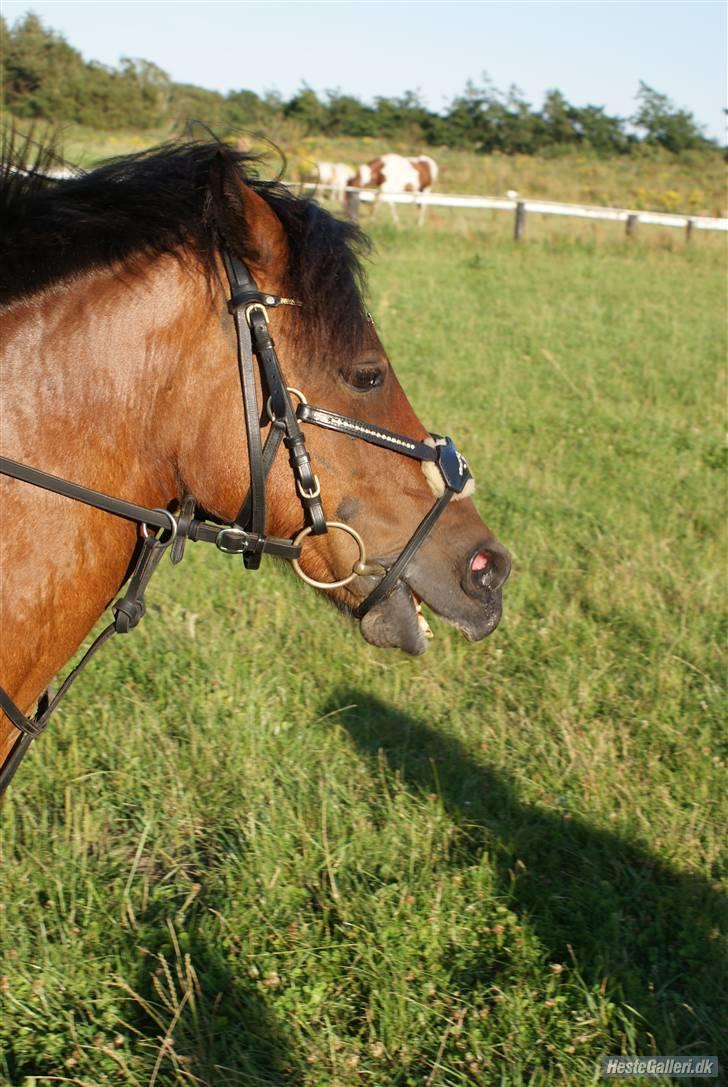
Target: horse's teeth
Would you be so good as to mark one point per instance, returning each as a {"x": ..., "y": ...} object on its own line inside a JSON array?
[{"x": 424, "y": 625}]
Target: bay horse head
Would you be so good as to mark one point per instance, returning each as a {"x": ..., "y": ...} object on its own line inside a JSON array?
[{"x": 119, "y": 359}]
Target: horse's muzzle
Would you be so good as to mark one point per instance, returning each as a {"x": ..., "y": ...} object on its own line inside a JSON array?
[{"x": 466, "y": 593}]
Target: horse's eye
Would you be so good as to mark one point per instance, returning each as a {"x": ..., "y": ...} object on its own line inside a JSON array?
[{"x": 364, "y": 378}]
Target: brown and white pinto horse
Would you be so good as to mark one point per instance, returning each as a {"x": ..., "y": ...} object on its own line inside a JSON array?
[
  {"x": 395, "y": 174},
  {"x": 120, "y": 373},
  {"x": 332, "y": 179}
]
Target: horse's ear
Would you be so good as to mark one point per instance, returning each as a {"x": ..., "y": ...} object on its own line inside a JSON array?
[{"x": 245, "y": 222}]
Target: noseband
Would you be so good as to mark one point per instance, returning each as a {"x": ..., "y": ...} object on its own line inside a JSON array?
[{"x": 246, "y": 534}]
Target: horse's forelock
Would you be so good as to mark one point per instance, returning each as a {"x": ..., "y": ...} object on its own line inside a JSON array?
[{"x": 324, "y": 272}]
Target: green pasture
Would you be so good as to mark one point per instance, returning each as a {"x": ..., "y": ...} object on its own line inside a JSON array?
[{"x": 253, "y": 850}]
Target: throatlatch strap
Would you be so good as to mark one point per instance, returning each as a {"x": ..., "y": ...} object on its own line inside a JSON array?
[{"x": 16, "y": 715}]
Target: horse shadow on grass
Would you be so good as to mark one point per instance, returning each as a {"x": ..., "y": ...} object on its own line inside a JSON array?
[
  {"x": 591, "y": 897},
  {"x": 200, "y": 1022}
]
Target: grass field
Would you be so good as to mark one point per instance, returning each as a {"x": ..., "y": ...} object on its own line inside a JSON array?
[{"x": 253, "y": 850}]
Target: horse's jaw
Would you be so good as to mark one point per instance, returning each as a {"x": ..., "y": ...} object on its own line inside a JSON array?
[
  {"x": 397, "y": 622},
  {"x": 393, "y": 623}
]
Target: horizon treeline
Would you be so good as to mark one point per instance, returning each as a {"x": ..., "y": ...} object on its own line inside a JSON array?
[{"x": 45, "y": 78}]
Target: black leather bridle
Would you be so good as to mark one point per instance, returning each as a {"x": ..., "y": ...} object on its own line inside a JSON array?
[{"x": 246, "y": 535}]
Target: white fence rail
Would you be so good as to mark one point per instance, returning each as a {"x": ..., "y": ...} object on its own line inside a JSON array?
[{"x": 521, "y": 207}]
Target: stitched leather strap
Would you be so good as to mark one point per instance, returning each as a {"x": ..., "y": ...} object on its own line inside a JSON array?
[
  {"x": 271, "y": 446},
  {"x": 368, "y": 432},
  {"x": 256, "y": 337},
  {"x": 143, "y": 515},
  {"x": 33, "y": 726},
  {"x": 294, "y": 439},
  {"x": 242, "y": 284},
  {"x": 16, "y": 715},
  {"x": 187, "y": 527},
  {"x": 128, "y": 610},
  {"x": 13, "y": 761},
  {"x": 237, "y": 541}
]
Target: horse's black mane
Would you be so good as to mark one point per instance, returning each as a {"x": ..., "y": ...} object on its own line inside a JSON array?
[{"x": 177, "y": 198}]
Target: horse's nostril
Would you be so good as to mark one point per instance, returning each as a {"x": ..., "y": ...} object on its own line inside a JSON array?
[
  {"x": 479, "y": 561},
  {"x": 487, "y": 570}
]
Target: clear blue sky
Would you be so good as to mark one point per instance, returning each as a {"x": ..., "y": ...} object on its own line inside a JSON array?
[{"x": 594, "y": 51}]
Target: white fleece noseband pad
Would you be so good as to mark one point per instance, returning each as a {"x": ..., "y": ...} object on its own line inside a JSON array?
[{"x": 433, "y": 475}]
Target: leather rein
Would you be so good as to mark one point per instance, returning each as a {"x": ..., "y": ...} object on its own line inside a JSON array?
[{"x": 246, "y": 535}]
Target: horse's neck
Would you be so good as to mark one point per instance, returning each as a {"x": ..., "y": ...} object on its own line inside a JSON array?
[
  {"x": 101, "y": 378},
  {"x": 90, "y": 364}
]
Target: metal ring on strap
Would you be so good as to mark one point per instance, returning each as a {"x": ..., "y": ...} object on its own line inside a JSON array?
[
  {"x": 360, "y": 564},
  {"x": 289, "y": 389},
  {"x": 172, "y": 526}
]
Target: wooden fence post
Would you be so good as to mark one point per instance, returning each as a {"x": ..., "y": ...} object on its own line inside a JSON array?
[
  {"x": 689, "y": 230},
  {"x": 632, "y": 223},
  {"x": 352, "y": 206},
  {"x": 520, "y": 223}
]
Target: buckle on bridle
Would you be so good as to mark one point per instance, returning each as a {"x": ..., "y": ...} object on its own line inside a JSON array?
[
  {"x": 314, "y": 492},
  {"x": 245, "y": 297},
  {"x": 238, "y": 534},
  {"x": 256, "y": 306}
]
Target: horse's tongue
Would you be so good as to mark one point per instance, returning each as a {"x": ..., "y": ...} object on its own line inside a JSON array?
[{"x": 393, "y": 623}]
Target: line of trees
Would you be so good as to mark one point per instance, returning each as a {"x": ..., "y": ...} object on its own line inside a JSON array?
[{"x": 44, "y": 77}]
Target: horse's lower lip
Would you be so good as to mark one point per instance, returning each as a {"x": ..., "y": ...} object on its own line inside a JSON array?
[
  {"x": 393, "y": 623},
  {"x": 417, "y": 601}
]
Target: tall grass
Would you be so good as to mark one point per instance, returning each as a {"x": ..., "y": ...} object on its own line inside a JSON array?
[{"x": 254, "y": 850}]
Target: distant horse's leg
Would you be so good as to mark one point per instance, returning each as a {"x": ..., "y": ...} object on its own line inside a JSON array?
[
  {"x": 395, "y": 216},
  {"x": 423, "y": 208}
]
